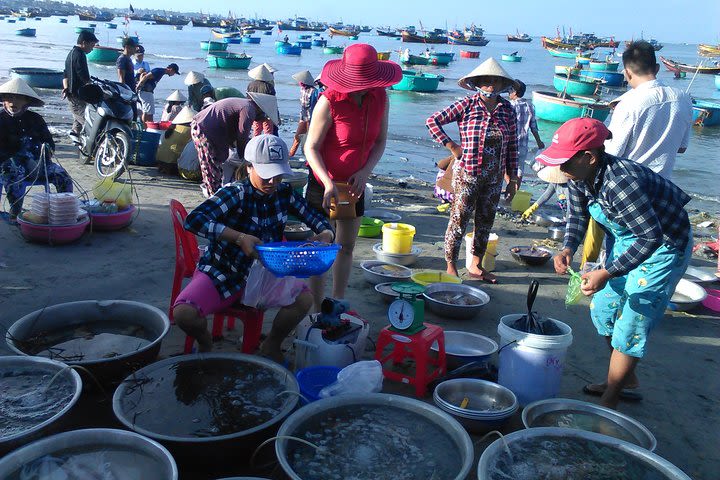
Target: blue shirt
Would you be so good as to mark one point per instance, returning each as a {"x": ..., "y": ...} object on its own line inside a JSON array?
[
  {"x": 125, "y": 64},
  {"x": 157, "y": 74}
]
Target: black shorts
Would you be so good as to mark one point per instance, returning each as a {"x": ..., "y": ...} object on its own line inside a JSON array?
[{"x": 314, "y": 197}]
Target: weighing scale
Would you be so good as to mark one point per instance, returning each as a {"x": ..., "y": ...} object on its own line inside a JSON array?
[{"x": 407, "y": 313}]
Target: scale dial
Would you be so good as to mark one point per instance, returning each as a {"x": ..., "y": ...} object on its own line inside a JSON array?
[{"x": 401, "y": 314}]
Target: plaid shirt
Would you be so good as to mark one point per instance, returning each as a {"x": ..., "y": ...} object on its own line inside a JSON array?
[
  {"x": 306, "y": 101},
  {"x": 473, "y": 120},
  {"x": 241, "y": 207},
  {"x": 636, "y": 198},
  {"x": 526, "y": 123}
]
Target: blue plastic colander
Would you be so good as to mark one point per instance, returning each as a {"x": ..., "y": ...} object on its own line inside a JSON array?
[
  {"x": 297, "y": 259},
  {"x": 314, "y": 379}
]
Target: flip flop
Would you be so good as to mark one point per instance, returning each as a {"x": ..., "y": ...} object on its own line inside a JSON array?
[
  {"x": 482, "y": 278},
  {"x": 627, "y": 394}
]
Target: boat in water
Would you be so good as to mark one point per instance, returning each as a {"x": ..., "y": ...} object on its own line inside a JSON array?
[
  {"x": 170, "y": 20},
  {"x": 387, "y": 32},
  {"x": 554, "y": 107},
  {"x": 706, "y": 50},
  {"x": 227, "y": 60},
  {"x": 343, "y": 32},
  {"x": 674, "y": 66},
  {"x": 211, "y": 22},
  {"x": 512, "y": 57},
  {"x": 437, "y": 36},
  {"x": 414, "y": 81},
  {"x": 656, "y": 45},
  {"x": 301, "y": 24},
  {"x": 469, "y": 54},
  {"x": 473, "y": 36},
  {"x": 25, "y": 32},
  {"x": 96, "y": 16},
  {"x": 519, "y": 37},
  {"x": 706, "y": 113}
]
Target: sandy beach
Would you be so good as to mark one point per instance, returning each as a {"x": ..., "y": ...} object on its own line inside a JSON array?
[{"x": 679, "y": 377}]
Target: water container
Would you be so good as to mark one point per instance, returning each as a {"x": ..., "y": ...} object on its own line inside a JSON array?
[
  {"x": 531, "y": 365},
  {"x": 398, "y": 237},
  {"x": 488, "y": 260},
  {"x": 312, "y": 349},
  {"x": 146, "y": 149},
  {"x": 521, "y": 201}
]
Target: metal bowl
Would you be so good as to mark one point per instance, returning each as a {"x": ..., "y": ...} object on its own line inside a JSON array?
[
  {"x": 14, "y": 363},
  {"x": 96, "y": 439},
  {"x": 491, "y": 405},
  {"x": 465, "y": 347},
  {"x": 450, "y": 310},
  {"x": 543, "y": 220},
  {"x": 386, "y": 292},
  {"x": 687, "y": 296},
  {"x": 531, "y": 260},
  {"x": 297, "y": 235},
  {"x": 374, "y": 277},
  {"x": 556, "y": 233},
  {"x": 536, "y": 436},
  {"x": 701, "y": 275},
  {"x": 642, "y": 436},
  {"x": 405, "y": 259}
]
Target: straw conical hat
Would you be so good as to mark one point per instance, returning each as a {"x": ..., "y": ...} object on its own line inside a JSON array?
[
  {"x": 261, "y": 72},
  {"x": 304, "y": 77},
  {"x": 552, "y": 175},
  {"x": 270, "y": 68},
  {"x": 18, "y": 86},
  {"x": 176, "y": 96},
  {"x": 194, "y": 77},
  {"x": 489, "y": 68},
  {"x": 268, "y": 104},
  {"x": 184, "y": 116}
]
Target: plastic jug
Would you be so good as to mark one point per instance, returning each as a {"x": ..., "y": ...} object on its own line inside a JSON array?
[{"x": 521, "y": 201}]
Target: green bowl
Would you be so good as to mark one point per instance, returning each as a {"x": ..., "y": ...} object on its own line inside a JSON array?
[{"x": 370, "y": 227}]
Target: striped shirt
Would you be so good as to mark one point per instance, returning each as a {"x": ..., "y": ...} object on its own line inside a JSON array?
[
  {"x": 650, "y": 207},
  {"x": 526, "y": 123}
]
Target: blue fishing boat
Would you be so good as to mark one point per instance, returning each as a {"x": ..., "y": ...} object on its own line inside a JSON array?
[
  {"x": 62, "y": 20},
  {"x": 106, "y": 55},
  {"x": 25, "y": 32},
  {"x": 39, "y": 77},
  {"x": 287, "y": 49},
  {"x": 84, "y": 29},
  {"x": 604, "y": 66},
  {"x": 304, "y": 36},
  {"x": 353, "y": 37},
  {"x": 561, "y": 52},
  {"x": 93, "y": 25},
  {"x": 10, "y": 20},
  {"x": 319, "y": 43},
  {"x": 564, "y": 69},
  {"x": 21, "y": 19},
  {"x": 511, "y": 58},
  {"x": 249, "y": 39},
  {"x": 228, "y": 61},
  {"x": 211, "y": 45},
  {"x": 111, "y": 26},
  {"x": 280, "y": 43},
  {"x": 553, "y": 107},
  {"x": 121, "y": 39},
  {"x": 232, "y": 40},
  {"x": 611, "y": 79},
  {"x": 413, "y": 81},
  {"x": 717, "y": 82},
  {"x": 706, "y": 113},
  {"x": 576, "y": 85},
  {"x": 333, "y": 50},
  {"x": 583, "y": 59},
  {"x": 305, "y": 45},
  {"x": 267, "y": 32},
  {"x": 439, "y": 58}
]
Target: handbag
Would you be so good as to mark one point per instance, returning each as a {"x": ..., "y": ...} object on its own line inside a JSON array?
[{"x": 345, "y": 209}]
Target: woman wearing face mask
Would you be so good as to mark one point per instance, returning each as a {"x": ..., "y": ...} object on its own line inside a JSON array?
[{"x": 487, "y": 150}]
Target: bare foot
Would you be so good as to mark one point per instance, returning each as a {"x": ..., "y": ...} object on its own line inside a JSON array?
[
  {"x": 452, "y": 269},
  {"x": 272, "y": 350},
  {"x": 600, "y": 388},
  {"x": 482, "y": 274}
]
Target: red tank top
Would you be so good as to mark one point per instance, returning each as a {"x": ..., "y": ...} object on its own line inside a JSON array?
[{"x": 354, "y": 130}]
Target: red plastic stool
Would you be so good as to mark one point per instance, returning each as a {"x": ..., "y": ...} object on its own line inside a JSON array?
[
  {"x": 252, "y": 320},
  {"x": 416, "y": 347}
]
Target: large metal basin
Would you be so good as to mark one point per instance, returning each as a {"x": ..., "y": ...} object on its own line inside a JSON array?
[
  {"x": 643, "y": 437},
  {"x": 450, "y": 310},
  {"x": 34, "y": 364},
  {"x": 538, "y": 435},
  {"x": 75, "y": 314},
  {"x": 96, "y": 438},
  {"x": 441, "y": 419}
]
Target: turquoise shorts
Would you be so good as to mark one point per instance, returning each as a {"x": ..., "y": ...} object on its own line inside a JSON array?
[{"x": 630, "y": 306}]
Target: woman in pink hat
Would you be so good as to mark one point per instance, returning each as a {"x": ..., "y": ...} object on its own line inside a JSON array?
[{"x": 346, "y": 139}]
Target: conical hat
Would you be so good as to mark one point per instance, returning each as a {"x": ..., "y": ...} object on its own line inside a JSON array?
[
  {"x": 304, "y": 77},
  {"x": 268, "y": 104},
  {"x": 261, "y": 72},
  {"x": 194, "y": 77},
  {"x": 489, "y": 68},
  {"x": 184, "y": 116},
  {"x": 176, "y": 96},
  {"x": 552, "y": 175},
  {"x": 270, "y": 68},
  {"x": 18, "y": 86}
]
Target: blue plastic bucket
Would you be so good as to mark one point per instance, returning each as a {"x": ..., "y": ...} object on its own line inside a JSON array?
[
  {"x": 314, "y": 379},
  {"x": 146, "y": 149}
]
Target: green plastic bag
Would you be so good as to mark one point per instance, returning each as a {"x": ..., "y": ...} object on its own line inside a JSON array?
[{"x": 573, "y": 294}]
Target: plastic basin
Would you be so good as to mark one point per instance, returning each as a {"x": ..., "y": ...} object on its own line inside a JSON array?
[
  {"x": 112, "y": 221},
  {"x": 370, "y": 227},
  {"x": 52, "y": 234},
  {"x": 314, "y": 379},
  {"x": 426, "y": 277}
]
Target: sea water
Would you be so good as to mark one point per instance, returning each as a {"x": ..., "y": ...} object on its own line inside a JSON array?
[
  {"x": 25, "y": 400},
  {"x": 204, "y": 398},
  {"x": 568, "y": 458},
  {"x": 583, "y": 421},
  {"x": 376, "y": 442}
]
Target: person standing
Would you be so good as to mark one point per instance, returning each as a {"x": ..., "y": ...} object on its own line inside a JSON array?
[
  {"x": 124, "y": 63},
  {"x": 308, "y": 98},
  {"x": 262, "y": 82},
  {"x": 345, "y": 142},
  {"x": 487, "y": 151},
  {"x": 146, "y": 88},
  {"x": 645, "y": 215},
  {"x": 75, "y": 76},
  {"x": 195, "y": 82},
  {"x": 140, "y": 65},
  {"x": 526, "y": 124}
]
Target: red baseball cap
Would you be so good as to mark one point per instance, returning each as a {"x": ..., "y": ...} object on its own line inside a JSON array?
[{"x": 574, "y": 136}]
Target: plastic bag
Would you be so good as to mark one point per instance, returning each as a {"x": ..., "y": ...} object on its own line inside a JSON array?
[
  {"x": 262, "y": 286},
  {"x": 358, "y": 377},
  {"x": 573, "y": 291}
]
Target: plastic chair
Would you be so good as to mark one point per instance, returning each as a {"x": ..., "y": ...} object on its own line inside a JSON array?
[{"x": 186, "y": 258}]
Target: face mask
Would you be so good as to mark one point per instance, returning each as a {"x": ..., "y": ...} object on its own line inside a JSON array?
[
  {"x": 485, "y": 94},
  {"x": 22, "y": 110}
]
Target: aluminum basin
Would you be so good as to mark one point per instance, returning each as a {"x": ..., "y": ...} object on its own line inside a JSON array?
[
  {"x": 465, "y": 347},
  {"x": 450, "y": 310}
]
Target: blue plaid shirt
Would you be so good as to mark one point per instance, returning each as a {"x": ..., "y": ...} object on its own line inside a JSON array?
[
  {"x": 649, "y": 206},
  {"x": 243, "y": 208}
]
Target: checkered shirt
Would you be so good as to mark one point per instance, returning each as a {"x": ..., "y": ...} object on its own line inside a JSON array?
[
  {"x": 473, "y": 120},
  {"x": 634, "y": 197},
  {"x": 241, "y": 207},
  {"x": 306, "y": 102},
  {"x": 526, "y": 123}
]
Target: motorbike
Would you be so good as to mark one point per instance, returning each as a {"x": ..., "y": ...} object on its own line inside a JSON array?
[{"x": 107, "y": 134}]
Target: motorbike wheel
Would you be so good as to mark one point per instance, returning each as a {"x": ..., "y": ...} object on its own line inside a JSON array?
[{"x": 112, "y": 153}]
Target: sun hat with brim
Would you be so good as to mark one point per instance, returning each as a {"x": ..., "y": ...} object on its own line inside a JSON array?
[
  {"x": 193, "y": 78},
  {"x": 270, "y": 68},
  {"x": 184, "y": 116},
  {"x": 574, "y": 136},
  {"x": 304, "y": 77},
  {"x": 360, "y": 69},
  {"x": 261, "y": 73},
  {"x": 176, "y": 96},
  {"x": 552, "y": 175},
  {"x": 18, "y": 86},
  {"x": 268, "y": 155},
  {"x": 268, "y": 104},
  {"x": 489, "y": 68}
]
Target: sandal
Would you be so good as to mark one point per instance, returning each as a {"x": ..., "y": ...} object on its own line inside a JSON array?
[{"x": 626, "y": 394}]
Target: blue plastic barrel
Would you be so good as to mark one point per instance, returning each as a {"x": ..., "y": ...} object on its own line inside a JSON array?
[{"x": 146, "y": 149}]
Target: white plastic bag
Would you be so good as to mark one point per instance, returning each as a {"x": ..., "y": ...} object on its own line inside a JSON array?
[
  {"x": 358, "y": 377},
  {"x": 262, "y": 287}
]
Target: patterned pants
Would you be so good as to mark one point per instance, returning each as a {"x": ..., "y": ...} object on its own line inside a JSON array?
[
  {"x": 15, "y": 175},
  {"x": 210, "y": 167},
  {"x": 479, "y": 193}
]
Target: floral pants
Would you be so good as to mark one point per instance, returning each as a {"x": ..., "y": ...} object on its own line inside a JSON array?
[{"x": 210, "y": 167}]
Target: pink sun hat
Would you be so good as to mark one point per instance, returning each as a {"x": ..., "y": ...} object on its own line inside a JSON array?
[{"x": 360, "y": 69}]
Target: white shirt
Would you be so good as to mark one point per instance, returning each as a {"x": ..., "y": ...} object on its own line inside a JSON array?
[{"x": 650, "y": 124}]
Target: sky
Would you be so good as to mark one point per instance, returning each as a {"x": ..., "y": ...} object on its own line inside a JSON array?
[{"x": 676, "y": 21}]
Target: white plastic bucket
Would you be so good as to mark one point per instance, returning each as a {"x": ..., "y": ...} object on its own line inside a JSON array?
[{"x": 531, "y": 365}]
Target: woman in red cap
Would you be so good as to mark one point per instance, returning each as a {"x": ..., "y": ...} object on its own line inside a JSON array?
[{"x": 346, "y": 139}]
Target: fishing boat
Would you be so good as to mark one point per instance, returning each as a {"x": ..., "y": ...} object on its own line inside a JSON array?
[
  {"x": 383, "y": 55},
  {"x": 249, "y": 39},
  {"x": 706, "y": 113},
  {"x": 656, "y": 45},
  {"x": 604, "y": 66},
  {"x": 583, "y": 59},
  {"x": 228, "y": 61},
  {"x": 564, "y": 70},
  {"x": 267, "y": 32},
  {"x": 177, "y": 27},
  {"x": 111, "y": 26},
  {"x": 100, "y": 16},
  {"x": 330, "y": 50},
  {"x": 390, "y": 32},
  {"x": 121, "y": 38},
  {"x": 610, "y": 78},
  {"x": 434, "y": 37},
  {"x": 93, "y": 25},
  {"x": 365, "y": 29},
  {"x": 287, "y": 49},
  {"x": 225, "y": 33},
  {"x": 576, "y": 85},
  {"x": 62, "y": 20},
  {"x": 10, "y": 20},
  {"x": 25, "y": 32},
  {"x": 210, "y": 45},
  {"x": 233, "y": 40},
  {"x": 469, "y": 41},
  {"x": 706, "y": 50},
  {"x": 673, "y": 66},
  {"x": 553, "y": 107},
  {"x": 561, "y": 52},
  {"x": 301, "y": 24},
  {"x": 439, "y": 58},
  {"x": 84, "y": 29},
  {"x": 305, "y": 45},
  {"x": 717, "y": 82},
  {"x": 106, "y": 55},
  {"x": 413, "y": 81},
  {"x": 512, "y": 57},
  {"x": 318, "y": 42},
  {"x": 469, "y": 54},
  {"x": 39, "y": 77},
  {"x": 520, "y": 37},
  {"x": 343, "y": 33},
  {"x": 280, "y": 43},
  {"x": 410, "y": 59},
  {"x": 211, "y": 22},
  {"x": 304, "y": 36},
  {"x": 354, "y": 37},
  {"x": 260, "y": 24},
  {"x": 170, "y": 20}
]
